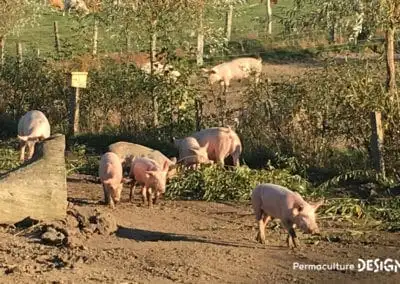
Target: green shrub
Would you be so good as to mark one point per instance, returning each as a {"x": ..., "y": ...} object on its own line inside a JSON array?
[{"x": 213, "y": 183}]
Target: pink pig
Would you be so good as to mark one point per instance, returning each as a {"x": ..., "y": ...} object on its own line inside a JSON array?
[
  {"x": 222, "y": 142},
  {"x": 190, "y": 152},
  {"x": 148, "y": 173},
  {"x": 236, "y": 69},
  {"x": 32, "y": 127},
  {"x": 273, "y": 201},
  {"x": 110, "y": 173}
]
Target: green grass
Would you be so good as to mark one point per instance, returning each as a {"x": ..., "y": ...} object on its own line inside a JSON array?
[{"x": 248, "y": 22}]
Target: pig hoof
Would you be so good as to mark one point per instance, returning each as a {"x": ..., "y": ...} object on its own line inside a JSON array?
[{"x": 260, "y": 239}]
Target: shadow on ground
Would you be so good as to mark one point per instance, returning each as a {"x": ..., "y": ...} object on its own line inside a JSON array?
[{"x": 153, "y": 236}]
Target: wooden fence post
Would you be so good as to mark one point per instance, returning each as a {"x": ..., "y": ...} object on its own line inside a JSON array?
[
  {"x": 57, "y": 38},
  {"x": 74, "y": 118},
  {"x": 2, "y": 49},
  {"x": 128, "y": 42},
  {"x": 19, "y": 53},
  {"x": 377, "y": 142},
  {"x": 95, "y": 38}
]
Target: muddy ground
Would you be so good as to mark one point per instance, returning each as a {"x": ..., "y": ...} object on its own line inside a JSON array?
[{"x": 189, "y": 242}]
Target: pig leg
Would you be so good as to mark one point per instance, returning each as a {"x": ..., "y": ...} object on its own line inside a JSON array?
[
  {"x": 22, "y": 146},
  {"x": 111, "y": 201},
  {"x": 132, "y": 190},
  {"x": 31, "y": 150},
  {"x": 149, "y": 198},
  {"x": 144, "y": 195},
  {"x": 235, "y": 156},
  {"x": 108, "y": 198},
  {"x": 292, "y": 237},
  {"x": 262, "y": 223},
  {"x": 156, "y": 198},
  {"x": 106, "y": 195}
]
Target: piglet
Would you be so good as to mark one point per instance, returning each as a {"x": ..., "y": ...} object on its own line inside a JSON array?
[
  {"x": 273, "y": 201},
  {"x": 32, "y": 127},
  {"x": 191, "y": 153},
  {"x": 110, "y": 173},
  {"x": 148, "y": 173}
]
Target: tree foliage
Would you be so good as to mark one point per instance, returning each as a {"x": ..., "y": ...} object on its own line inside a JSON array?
[{"x": 16, "y": 13}]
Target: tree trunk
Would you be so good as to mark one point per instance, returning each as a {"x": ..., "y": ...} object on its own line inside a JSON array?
[
  {"x": 153, "y": 42},
  {"x": 200, "y": 39},
  {"x": 390, "y": 65},
  {"x": 268, "y": 24},
  {"x": 95, "y": 37},
  {"x": 228, "y": 23},
  {"x": 153, "y": 47}
]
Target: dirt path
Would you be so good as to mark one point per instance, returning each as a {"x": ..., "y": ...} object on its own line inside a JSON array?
[{"x": 190, "y": 242}]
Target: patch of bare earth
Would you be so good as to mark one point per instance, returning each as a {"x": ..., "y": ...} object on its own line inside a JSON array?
[{"x": 188, "y": 242}]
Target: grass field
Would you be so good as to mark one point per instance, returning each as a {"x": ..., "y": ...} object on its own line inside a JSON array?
[{"x": 248, "y": 22}]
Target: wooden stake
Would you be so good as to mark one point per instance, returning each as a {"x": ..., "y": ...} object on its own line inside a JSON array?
[
  {"x": 377, "y": 143},
  {"x": 56, "y": 38}
]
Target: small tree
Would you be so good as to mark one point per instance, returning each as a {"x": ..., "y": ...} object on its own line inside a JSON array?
[
  {"x": 329, "y": 14},
  {"x": 14, "y": 14}
]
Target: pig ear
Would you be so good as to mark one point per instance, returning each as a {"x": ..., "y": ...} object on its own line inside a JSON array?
[
  {"x": 315, "y": 206},
  {"x": 205, "y": 70},
  {"x": 206, "y": 145},
  {"x": 196, "y": 151},
  {"x": 23, "y": 138},
  {"x": 177, "y": 142},
  {"x": 165, "y": 166},
  {"x": 150, "y": 174},
  {"x": 173, "y": 160},
  {"x": 297, "y": 209}
]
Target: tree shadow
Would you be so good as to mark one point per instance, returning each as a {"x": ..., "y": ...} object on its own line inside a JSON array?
[{"x": 154, "y": 236}]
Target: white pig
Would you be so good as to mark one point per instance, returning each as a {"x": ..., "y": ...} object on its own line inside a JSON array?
[
  {"x": 273, "y": 201},
  {"x": 236, "y": 69},
  {"x": 148, "y": 173},
  {"x": 110, "y": 173},
  {"x": 190, "y": 152},
  {"x": 32, "y": 127},
  {"x": 222, "y": 142}
]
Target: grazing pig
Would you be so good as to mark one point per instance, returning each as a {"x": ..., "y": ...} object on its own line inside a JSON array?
[
  {"x": 32, "y": 127},
  {"x": 274, "y": 201},
  {"x": 222, "y": 142},
  {"x": 127, "y": 151},
  {"x": 110, "y": 173},
  {"x": 78, "y": 5},
  {"x": 237, "y": 69},
  {"x": 148, "y": 173},
  {"x": 190, "y": 152}
]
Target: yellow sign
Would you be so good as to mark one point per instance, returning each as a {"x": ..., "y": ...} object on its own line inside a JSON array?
[{"x": 78, "y": 79}]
